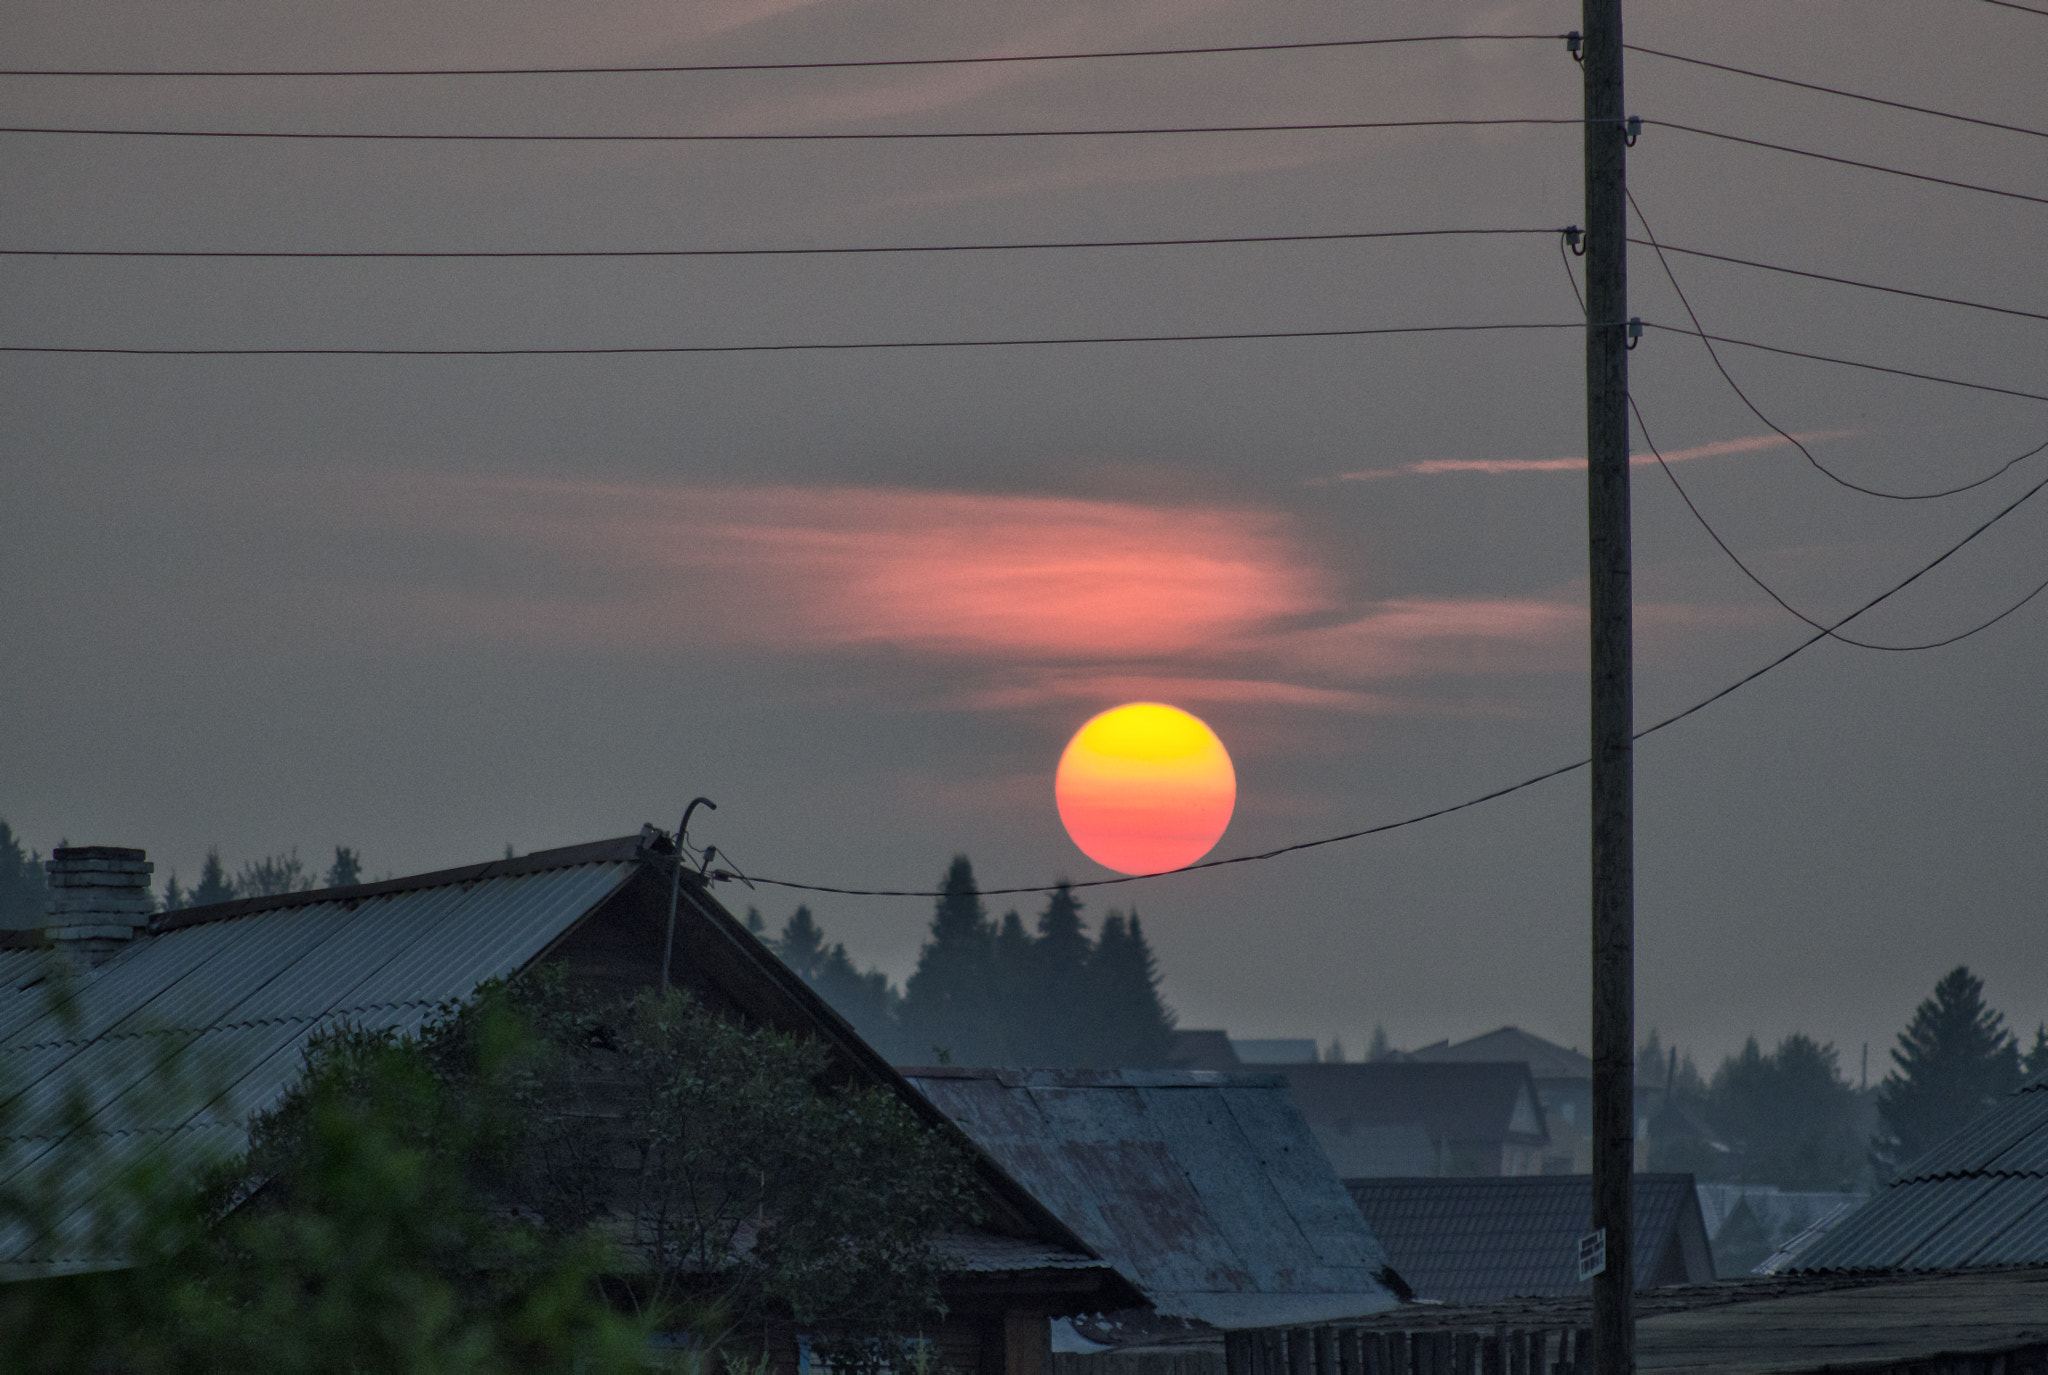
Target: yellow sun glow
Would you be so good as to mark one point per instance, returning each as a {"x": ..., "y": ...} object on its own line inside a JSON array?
[{"x": 1145, "y": 787}]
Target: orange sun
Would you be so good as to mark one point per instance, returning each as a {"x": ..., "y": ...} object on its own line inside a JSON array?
[{"x": 1144, "y": 788}]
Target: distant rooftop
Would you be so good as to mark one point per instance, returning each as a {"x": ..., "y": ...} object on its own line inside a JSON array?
[{"x": 1285, "y": 1050}]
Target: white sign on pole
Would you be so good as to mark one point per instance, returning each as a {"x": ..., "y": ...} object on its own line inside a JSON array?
[{"x": 1593, "y": 1253}]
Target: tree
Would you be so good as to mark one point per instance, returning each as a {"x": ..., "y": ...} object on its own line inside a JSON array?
[
  {"x": 1379, "y": 1048},
  {"x": 1013, "y": 971},
  {"x": 2035, "y": 1062},
  {"x": 214, "y": 884},
  {"x": 947, "y": 1013},
  {"x": 1064, "y": 1015},
  {"x": 1789, "y": 1116},
  {"x": 22, "y": 884},
  {"x": 1134, "y": 1027},
  {"x": 802, "y": 945},
  {"x": 347, "y": 869},
  {"x": 174, "y": 898},
  {"x": 1954, "y": 1059},
  {"x": 274, "y": 874}
]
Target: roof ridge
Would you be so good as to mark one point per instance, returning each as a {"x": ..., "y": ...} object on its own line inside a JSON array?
[{"x": 615, "y": 850}]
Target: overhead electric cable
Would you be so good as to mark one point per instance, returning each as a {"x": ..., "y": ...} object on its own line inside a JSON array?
[
  {"x": 1836, "y": 91},
  {"x": 752, "y": 252},
  {"x": 1847, "y": 162},
  {"x": 792, "y": 66},
  {"x": 1853, "y": 363},
  {"x": 1469, "y": 803},
  {"x": 1772, "y": 593},
  {"x": 1839, "y": 281},
  {"x": 924, "y": 134},
  {"x": 2023, "y": 9},
  {"x": 783, "y": 348},
  {"x": 1699, "y": 331}
]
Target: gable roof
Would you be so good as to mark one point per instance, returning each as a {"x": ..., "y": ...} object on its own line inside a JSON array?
[
  {"x": 246, "y": 984},
  {"x": 1474, "y": 1240},
  {"x": 1454, "y": 1102},
  {"x": 1546, "y": 1059},
  {"x": 1205, "y": 1190},
  {"x": 1979, "y": 1198}
]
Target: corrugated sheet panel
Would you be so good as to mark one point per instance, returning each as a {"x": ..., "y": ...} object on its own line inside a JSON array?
[
  {"x": 1473, "y": 1240},
  {"x": 1885, "y": 1231},
  {"x": 241, "y": 998},
  {"x": 2024, "y": 1239},
  {"x": 1190, "y": 1183},
  {"x": 1972, "y": 1149},
  {"x": 1963, "y": 1238}
]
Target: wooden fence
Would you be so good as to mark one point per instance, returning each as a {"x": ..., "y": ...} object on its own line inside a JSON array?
[{"x": 1501, "y": 1350}]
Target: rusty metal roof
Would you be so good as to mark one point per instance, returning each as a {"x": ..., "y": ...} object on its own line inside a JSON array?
[
  {"x": 1978, "y": 1198},
  {"x": 235, "y": 992},
  {"x": 1205, "y": 1190}
]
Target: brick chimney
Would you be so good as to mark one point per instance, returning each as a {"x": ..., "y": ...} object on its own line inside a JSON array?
[{"x": 99, "y": 899}]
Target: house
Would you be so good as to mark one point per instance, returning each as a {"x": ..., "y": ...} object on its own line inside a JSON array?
[
  {"x": 1472, "y": 1240},
  {"x": 1206, "y": 1191},
  {"x": 247, "y": 983},
  {"x": 1979, "y": 1199},
  {"x": 1564, "y": 1084},
  {"x": 1752, "y": 1223},
  {"x": 1208, "y": 1049},
  {"x": 1391, "y": 1117},
  {"x": 1275, "y": 1050}
]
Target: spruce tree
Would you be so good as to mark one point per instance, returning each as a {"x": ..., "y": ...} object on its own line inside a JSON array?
[
  {"x": 1954, "y": 1059},
  {"x": 948, "y": 1015},
  {"x": 1013, "y": 972},
  {"x": 214, "y": 884},
  {"x": 1063, "y": 1013},
  {"x": 21, "y": 883},
  {"x": 1134, "y": 1027},
  {"x": 802, "y": 945},
  {"x": 866, "y": 1000},
  {"x": 2035, "y": 1062},
  {"x": 174, "y": 898}
]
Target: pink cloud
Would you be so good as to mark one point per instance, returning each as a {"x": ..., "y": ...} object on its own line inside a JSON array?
[
  {"x": 1181, "y": 690},
  {"x": 960, "y": 573},
  {"x": 1417, "y": 635},
  {"x": 1432, "y": 466}
]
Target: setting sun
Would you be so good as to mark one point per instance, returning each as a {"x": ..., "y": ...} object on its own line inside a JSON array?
[{"x": 1145, "y": 787}]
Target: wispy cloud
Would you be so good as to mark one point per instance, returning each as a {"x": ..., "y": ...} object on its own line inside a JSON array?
[{"x": 1430, "y": 467}]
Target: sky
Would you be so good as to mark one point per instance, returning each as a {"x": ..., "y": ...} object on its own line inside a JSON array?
[{"x": 429, "y": 607}]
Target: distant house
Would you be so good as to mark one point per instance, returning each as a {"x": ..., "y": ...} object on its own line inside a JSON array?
[
  {"x": 1564, "y": 1084},
  {"x": 1206, "y": 1191},
  {"x": 1279, "y": 1050},
  {"x": 1978, "y": 1199},
  {"x": 1475, "y": 1240},
  {"x": 1392, "y": 1117},
  {"x": 247, "y": 983}
]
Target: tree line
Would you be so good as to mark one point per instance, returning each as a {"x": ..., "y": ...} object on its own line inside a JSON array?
[
  {"x": 24, "y": 884},
  {"x": 988, "y": 992},
  {"x": 1791, "y": 1117}
]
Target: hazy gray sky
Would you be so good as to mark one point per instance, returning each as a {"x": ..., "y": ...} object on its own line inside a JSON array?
[{"x": 427, "y": 607}]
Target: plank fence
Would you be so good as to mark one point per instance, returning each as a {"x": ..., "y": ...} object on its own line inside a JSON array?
[{"x": 1341, "y": 1350}]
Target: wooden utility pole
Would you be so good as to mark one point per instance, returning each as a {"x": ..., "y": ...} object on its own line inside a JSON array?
[{"x": 1613, "y": 696}]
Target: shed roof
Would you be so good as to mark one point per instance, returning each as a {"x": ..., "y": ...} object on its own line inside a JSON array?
[
  {"x": 1204, "y": 1189},
  {"x": 245, "y": 985},
  {"x": 1978, "y": 1198},
  {"x": 1474, "y": 1240}
]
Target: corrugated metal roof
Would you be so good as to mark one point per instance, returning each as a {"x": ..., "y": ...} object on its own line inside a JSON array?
[
  {"x": 1978, "y": 1198},
  {"x": 1206, "y": 1190},
  {"x": 241, "y": 996},
  {"x": 1472, "y": 1240},
  {"x": 2001, "y": 1130}
]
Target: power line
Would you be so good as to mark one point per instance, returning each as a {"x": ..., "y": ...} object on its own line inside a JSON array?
[
  {"x": 755, "y": 252},
  {"x": 1699, "y": 330},
  {"x": 1469, "y": 803},
  {"x": 1851, "y": 363},
  {"x": 1839, "y": 281},
  {"x": 1836, "y": 91},
  {"x": 780, "y": 348},
  {"x": 2023, "y": 9},
  {"x": 1846, "y": 162},
  {"x": 797, "y": 66},
  {"x": 1772, "y": 593},
  {"x": 928, "y": 134}
]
